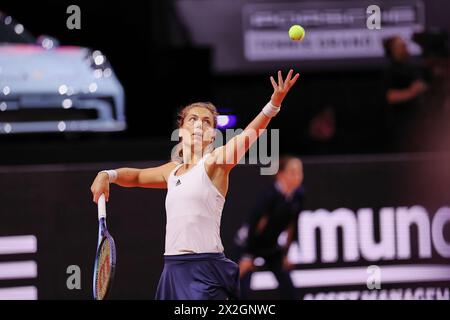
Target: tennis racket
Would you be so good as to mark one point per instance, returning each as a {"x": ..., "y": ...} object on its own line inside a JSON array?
[{"x": 105, "y": 259}]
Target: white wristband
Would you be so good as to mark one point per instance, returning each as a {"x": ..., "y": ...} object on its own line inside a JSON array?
[
  {"x": 112, "y": 175},
  {"x": 270, "y": 110}
]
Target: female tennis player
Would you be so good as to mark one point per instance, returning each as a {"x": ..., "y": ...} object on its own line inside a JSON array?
[{"x": 196, "y": 179}]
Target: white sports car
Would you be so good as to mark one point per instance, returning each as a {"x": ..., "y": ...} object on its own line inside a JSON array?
[{"x": 45, "y": 87}]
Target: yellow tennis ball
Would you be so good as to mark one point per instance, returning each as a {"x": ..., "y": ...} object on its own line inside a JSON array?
[{"x": 296, "y": 32}]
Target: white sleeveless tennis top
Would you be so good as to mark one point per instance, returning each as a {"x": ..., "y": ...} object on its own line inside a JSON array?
[{"x": 194, "y": 209}]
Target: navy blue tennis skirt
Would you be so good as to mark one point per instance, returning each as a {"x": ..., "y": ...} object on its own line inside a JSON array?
[{"x": 198, "y": 276}]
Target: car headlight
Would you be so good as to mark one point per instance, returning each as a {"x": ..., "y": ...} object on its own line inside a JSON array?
[{"x": 99, "y": 64}]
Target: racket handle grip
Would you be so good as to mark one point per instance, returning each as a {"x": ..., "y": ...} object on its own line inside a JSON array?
[{"x": 101, "y": 207}]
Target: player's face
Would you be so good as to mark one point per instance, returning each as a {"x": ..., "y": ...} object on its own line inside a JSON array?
[
  {"x": 293, "y": 173},
  {"x": 399, "y": 49},
  {"x": 198, "y": 127}
]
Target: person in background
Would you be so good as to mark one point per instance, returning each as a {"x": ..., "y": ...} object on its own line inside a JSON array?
[
  {"x": 277, "y": 211},
  {"x": 404, "y": 84}
]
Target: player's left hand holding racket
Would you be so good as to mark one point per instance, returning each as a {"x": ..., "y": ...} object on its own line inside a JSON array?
[{"x": 105, "y": 259}]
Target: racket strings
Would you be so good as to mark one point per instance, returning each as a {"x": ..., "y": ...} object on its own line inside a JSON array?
[{"x": 103, "y": 269}]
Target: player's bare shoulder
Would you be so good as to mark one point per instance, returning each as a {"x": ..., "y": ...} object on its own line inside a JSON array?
[
  {"x": 218, "y": 160},
  {"x": 212, "y": 160},
  {"x": 167, "y": 168},
  {"x": 156, "y": 177},
  {"x": 215, "y": 164}
]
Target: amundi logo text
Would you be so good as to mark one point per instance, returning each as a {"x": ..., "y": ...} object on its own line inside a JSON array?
[
  {"x": 396, "y": 228},
  {"x": 405, "y": 234}
]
